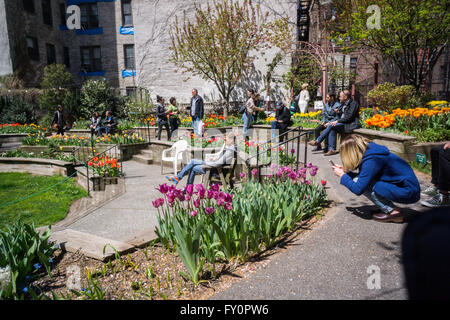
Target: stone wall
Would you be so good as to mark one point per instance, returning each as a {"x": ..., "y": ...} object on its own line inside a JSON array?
[
  {"x": 5, "y": 57},
  {"x": 43, "y": 167}
]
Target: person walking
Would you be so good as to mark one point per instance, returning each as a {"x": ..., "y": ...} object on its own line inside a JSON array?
[
  {"x": 196, "y": 109},
  {"x": 174, "y": 120},
  {"x": 330, "y": 113},
  {"x": 58, "y": 121},
  {"x": 303, "y": 98},
  {"x": 96, "y": 124},
  {"x": 348, "y": 122},
  {"x": 282, "y": 120},
  {"x": 161, "y": 117},
  {"x": 440, "y": 178},
  {"x": 250, "y": 112},
  {"x": 382, "y": 176}
]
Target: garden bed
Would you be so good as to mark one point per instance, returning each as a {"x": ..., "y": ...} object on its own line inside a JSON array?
[{"x": 39, "y": 166}]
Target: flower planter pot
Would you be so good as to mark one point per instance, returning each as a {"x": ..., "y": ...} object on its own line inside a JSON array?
[
  {"x": 110, "y": 180},
  {"x": 98, "y": 183}
]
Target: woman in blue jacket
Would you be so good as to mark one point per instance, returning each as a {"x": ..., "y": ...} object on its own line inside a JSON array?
[{"x": 383, "y": 176}]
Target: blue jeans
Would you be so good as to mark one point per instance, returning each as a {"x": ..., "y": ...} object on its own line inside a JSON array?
[
  {"x": 385, "y": 205},
  {"x": 195, "y": 121},
  {"x": 193, "y": 167},
  {"x": 247, "y": 122},
  {"x": 330, "y": 133}
]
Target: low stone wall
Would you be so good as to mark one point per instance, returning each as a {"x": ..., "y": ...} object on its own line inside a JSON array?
[{"x": 45, "y": 167}]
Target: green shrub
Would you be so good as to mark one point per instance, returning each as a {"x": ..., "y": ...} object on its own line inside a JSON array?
[
  {"x": 97, "y": 95},
  {"x": 388, "y": 96},
  {"x": 431, "y": 135},
  {"x": 26, "y": 253},
  {"x": 56, "y": 84},
  {"x": 15, "y": 110}
]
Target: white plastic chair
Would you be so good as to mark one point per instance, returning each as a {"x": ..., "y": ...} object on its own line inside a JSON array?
[
  {"x": 174, "y": 154},
  {"x": 213, "y": 156}
]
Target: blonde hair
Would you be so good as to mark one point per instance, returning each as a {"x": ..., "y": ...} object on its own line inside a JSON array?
[
  {"x": 352, "y": 149},
  {"x": 305, "y": 85}
]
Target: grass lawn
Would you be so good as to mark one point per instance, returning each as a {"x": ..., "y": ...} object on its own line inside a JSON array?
[{"x": 43, "y": 209}]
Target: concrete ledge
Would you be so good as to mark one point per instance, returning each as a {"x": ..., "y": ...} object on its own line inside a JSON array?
[{"x": 47, "y": 167}]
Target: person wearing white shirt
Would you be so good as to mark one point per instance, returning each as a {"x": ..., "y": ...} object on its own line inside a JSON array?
[{"x": 303, "y": 98}]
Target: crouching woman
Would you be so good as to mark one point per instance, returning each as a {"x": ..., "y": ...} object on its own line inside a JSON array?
[{"x": 382, "y": 176}]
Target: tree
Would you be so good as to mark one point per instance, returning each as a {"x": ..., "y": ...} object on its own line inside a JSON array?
[
  {"x": 97, "y": 95},
  {"x": 56, "y": 85},
  {"x": 219, "y": 44},
  {"x": 411, "y": 33}
]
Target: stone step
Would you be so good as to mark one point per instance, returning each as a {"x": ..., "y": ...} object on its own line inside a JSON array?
[
  {"x": 89, "y": 245},
  {"x": 148, "y": 153},
  {"x": 143, "y": 159}
]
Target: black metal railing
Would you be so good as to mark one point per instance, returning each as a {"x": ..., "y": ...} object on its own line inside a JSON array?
[{"x": 270, "y": 150}]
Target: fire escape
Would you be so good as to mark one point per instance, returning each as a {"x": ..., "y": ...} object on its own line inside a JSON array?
[{"x": 303, "y": 20}]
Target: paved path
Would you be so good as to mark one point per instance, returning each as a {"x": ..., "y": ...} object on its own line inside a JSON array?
[{"x": 331, "y": 260}]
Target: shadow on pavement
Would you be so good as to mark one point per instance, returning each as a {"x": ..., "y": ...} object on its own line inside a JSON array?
[{"x": 364, "y": 212}]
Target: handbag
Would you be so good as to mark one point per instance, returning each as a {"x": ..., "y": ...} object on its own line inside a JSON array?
[{"x": 243, "y": 109}]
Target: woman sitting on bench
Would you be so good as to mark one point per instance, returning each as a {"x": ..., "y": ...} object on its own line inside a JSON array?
[{"x": 196, "y": 166}]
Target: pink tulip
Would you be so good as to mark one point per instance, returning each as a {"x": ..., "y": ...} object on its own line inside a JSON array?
[
  {"x": 194, "y": 213},
  {"x": 209, "y": 210}
]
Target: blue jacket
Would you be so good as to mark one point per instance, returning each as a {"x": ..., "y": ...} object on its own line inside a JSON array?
[
  {"x": 328, "y": 114},
  {"x": 390, "y": 175}
]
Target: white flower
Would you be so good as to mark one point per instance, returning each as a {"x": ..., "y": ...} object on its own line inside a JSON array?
[{"x": 5, "y": 278}]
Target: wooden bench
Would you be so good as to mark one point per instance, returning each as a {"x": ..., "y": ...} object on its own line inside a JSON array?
[{"x": 226, "y": 179}]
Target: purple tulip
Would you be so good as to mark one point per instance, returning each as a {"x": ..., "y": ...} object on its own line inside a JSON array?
[
  {"x": 228, "y": 206},
  {"x": 220, "y": 202},
  {"x": 293, "y": 176},
  {"x": 187, "y": 197},
  {"x": 215, "y": 187},
  {"x": 158, "y": 202},
  {"x": 194, "y": 213},
  {"x": 279, "y": 173},
  {"x": 197, "y": 203},
  {"x": 189, "y": 189},
  {"x": 254, "y": 172},
  {"x": 229, "y": 197},
  {"x": 209, "y": 210},
  {"x": 210, "y": 194},
  {"x": 200, "y": 188},
  {"x": 307, "y": 182},
  {"x": 242, "y": 175},
  {"x": 163, "y": 188},
  {"x": 313, "y": 172},
  {"x": 309, "y": 165},
  {"x": 292, "y": 151}
]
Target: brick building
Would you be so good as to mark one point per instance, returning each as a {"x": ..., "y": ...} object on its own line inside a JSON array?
[{"x": 127, "y": 42}]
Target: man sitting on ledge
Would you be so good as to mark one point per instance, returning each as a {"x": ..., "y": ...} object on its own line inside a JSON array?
[
  {"x": 348, "y": 122},
  {"x": 196, "y": 166}
]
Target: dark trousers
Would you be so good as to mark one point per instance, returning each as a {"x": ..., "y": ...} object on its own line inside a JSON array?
[
  {"x": 165, "y": 124},
  {"x": 173, "y": 124},
  {"x": 317, "y": 132},
  {"x": 440, "y": 168},
  {"x": 60, "y": 130}
]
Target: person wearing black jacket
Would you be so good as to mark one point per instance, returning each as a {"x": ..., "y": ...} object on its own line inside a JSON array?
[
  {"x": 348, "y": 122},
  {"x": 96, "y": 124},
  {"x": 161, "y": 117},
  {"x": 110, "y": 123},
  {"x": 58, "y": 120},
  {"x": 196, "y": 110},
  {"x": 282, "y": 119}
]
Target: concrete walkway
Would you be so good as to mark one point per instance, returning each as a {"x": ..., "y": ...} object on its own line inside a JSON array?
[{"x": 331, "y": 261}]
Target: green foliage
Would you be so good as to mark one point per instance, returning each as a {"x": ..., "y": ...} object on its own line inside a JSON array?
[
  {"x": 56, "y": 84},
  {"x": 97, "y": 95},
  {"x": 26, "y": 252},
  {"x": 306, "y": 70},
  {"x": 138, "y": 109},
  {"x": 431, "y": 134},
  {"x": 260, "y": 214},
  {"x": 388, "y": 96},
  {"x": 15, "y": 110},
  {"x": 409, "y": 33}
]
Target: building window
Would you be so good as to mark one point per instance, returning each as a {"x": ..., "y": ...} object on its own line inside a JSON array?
[
  {"x": 353, "y": 62},
  {"x": 51, "y": 53},
  {"x": 129, "y": 56},
  {"x": 127, "y": 17},
  {"x": 62, "y": 14},
  {"x": 28, "y": 5},
  {"x": 66, "y": 57},
  {"x": 33, "y": 48},
  {"x": 47, "y": 12},
  {"x": 89, "y": 15},
  {"x": 91, "y": 59},
  {"x": 131, "y": 91}
]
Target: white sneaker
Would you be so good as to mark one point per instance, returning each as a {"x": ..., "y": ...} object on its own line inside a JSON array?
[
  {"x": 439, "y": 200},
  {"x": 431, "y": 191}
]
